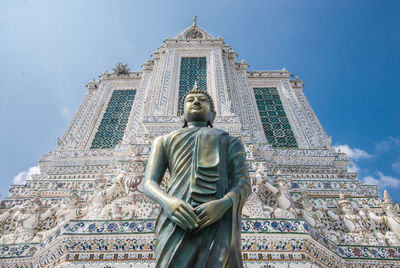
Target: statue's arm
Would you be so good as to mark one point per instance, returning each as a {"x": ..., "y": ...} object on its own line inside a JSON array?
[
  {"x": 374, "y": 217},
  {"x": 333, "y": 215},
  {"x": 176, "y": 209},
  {"x": 362, "y": 214},
  {"x": 238, "y": 173},
  {"x": 270, "y": 187},
  {"x": 5, "y": 215},
  {"x": 155, "y": 170},
  {"x": 116, "y": 187},
  {"x": 46, "y": 214},
  {"x": 82, "y": 212}
]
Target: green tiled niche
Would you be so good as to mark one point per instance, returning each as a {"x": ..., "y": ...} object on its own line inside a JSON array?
[
  {"x": 113, "y": 124},
  {"x": 273, "y": 118},
  {"x": 192, "y": 69}
]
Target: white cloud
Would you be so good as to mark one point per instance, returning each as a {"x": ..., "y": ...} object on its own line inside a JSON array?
[
  {"x": 369, "y": 180},
  {"x": 65, "y": 113},
  {"x": 25, "y": 175},
  {"x": 354, "y": 153},
  {"x": 382, "y": 180},
  {"x": 353, "y": 167},
  {"x": 387, "y": 144},
  {"x": 396, "y": 165}
]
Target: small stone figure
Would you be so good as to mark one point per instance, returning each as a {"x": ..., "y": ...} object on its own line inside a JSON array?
[
  {"x": 8, "y": 223},
  {"x": 392, "y": 218},
  {"x": 311, "y": 216},
  {"x": 257, "y": 180},
  {"x": 200, "y": 221},
  {"x": 121, "y": 69},
  {"x": 284, "y": 206},
  {"x": 99, "y": 204},
  {"x": 26, "y": 220},
  {"x": 353, "y": 222},
  {"x": 252, "y": 149},
  {"x": 68, "y": 209},
  {"x": 135, "y": 204}
]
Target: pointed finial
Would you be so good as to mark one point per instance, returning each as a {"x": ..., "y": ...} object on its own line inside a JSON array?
[
  {"x": 194, "y": 20},
  {"x": 195, "y": 86},
  {"x": 386, "y": 197}
]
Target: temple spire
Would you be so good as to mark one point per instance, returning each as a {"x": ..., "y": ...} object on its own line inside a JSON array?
[{"x": 195, "y": 86}]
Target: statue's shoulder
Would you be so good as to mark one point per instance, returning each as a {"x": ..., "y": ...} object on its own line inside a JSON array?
[
  {"x": 225, "y": 135},
  {"x": 215, "y": 131},
  {"x": 174, "y": 133},
  {"x": 206, "y": 130},
  {"x": 167, "y": 138},
  {"x": 225, "y": 138},
  {"x": 218, "y": 131}
]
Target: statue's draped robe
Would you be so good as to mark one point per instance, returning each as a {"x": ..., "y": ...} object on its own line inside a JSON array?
[{"x": 205, "y": 164}]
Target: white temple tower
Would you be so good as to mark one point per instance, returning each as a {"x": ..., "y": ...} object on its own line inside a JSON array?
[{"x": 76, "y": 214}]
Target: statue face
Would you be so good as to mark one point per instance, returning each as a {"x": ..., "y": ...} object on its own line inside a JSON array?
[
  {"x": 197, "y": 108},
  {"x": 283, "y": 186},
  {"x": 347, "y": 209}
]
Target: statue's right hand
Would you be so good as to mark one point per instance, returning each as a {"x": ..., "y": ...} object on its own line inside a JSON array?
[{"x": 182, "y": 214}]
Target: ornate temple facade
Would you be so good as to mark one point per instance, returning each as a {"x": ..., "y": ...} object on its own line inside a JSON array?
[{"x": 86, "y": 208}]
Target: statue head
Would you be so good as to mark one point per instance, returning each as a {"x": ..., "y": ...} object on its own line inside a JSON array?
[
  {"x": 391, "y": 208},
  {"x": 305, "y": 201},
  {"x": 99, "y": 182},
  {"x": 280, "y": 182},
  {"x": 197, "y": 105},
  {"x": 345, "y": 205}
]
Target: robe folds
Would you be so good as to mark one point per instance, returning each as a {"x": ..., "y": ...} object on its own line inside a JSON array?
[{"x": 205, "y": 164}]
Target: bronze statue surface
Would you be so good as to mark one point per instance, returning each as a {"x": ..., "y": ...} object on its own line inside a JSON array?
[{"x": 200, "y": 221}]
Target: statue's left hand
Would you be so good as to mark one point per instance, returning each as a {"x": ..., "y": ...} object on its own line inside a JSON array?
[{"x": 212, "y": 211}]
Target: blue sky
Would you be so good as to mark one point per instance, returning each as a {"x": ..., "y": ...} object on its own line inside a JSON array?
[{"x": 346, "y": 52}]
